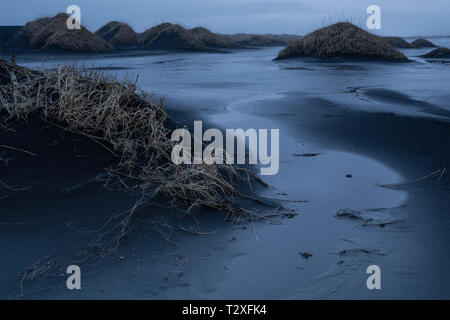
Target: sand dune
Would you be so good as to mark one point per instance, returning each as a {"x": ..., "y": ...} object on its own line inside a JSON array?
[
  {"x": 342, "y": 40},
  {"x": 119, "y": 35},
  {"x": 52, "y": 33}
]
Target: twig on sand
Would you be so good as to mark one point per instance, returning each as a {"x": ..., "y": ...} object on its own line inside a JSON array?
[
  {"x": 443, "y": 171},
  {"x": 7, "y": 187},
  {"x": 253, "y": 228},
  {"x": 255, "y": 176},
  {"x": 280, "y": 192},
  {"x": 121, "y": 181},
  {"x": 195, "y": 232},
  {"x": 287, "y": 200},
  {"x": 275, "y": 214},
  {"x": 430, "y": 175},
  {"x": 167, "y": 237},
  {"x": 18, "y": 149},
  {"x": 17, "y": 223},
  {"x": 71, "y": 188},
  {"x": 6, "y": 128},
  {"x": 123, "y": 226},
  {"x": 29, "y": 273},
  {"x": 5, "y": 160}
]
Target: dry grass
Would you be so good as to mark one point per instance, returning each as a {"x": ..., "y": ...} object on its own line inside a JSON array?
[
  {"x": 129, "y": 125},
  {"x": 119, "y": 34},
  {"x": 342, "y": 40},
  {"x": 53, "y": 33},
  {"x": 438, "y": 53},
  {"x": 423, "y": 43},
  {"x": 398, "y": 42},
  {"x": 176, "y": 37},
  {"x": 150, "y": 34}
]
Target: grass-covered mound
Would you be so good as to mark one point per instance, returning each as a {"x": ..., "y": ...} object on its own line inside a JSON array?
[
  {"x": 438, "y": 53},
  {"x": 423, "y": 43},
  {"x": 342, "y": 40},
  {"x": 53, "y": 33},
  {"x": 259, "y": 41},
  {"x": 175, "y": 37},
  {"x": 200, "y": 38},
  {"x": 148, "y": 35},
  {"x": 129, "y": 126},
  {"x": 398, "y": 42},
  {"x": 213, "y": 40},
  {"x": 159, "y": 37},
  {"x": 119, "y": 35},
  {"x": 266, "y": 40}
]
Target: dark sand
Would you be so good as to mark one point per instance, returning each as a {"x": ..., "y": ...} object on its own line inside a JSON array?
[
  {"x": 347, "y": 130},
  {"x": 54, "y": 202},
  {"x": 413, "y": 146}
]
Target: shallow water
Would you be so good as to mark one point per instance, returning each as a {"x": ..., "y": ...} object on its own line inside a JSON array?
[
  {"x": 228, "y": 90},
  {"x": 246, "y": 75}
]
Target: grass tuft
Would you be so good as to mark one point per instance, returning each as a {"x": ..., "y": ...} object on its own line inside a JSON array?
[{"x": 127, "y": 124}]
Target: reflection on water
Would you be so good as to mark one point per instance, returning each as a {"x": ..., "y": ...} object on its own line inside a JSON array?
[
  {"x": 251, "y": 74},
  {"x": 220, "y": 86}
]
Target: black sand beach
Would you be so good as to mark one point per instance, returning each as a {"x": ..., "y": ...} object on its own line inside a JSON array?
[
  {"x": 414, "y": 147},
  {"x": 376, "y": 135}
]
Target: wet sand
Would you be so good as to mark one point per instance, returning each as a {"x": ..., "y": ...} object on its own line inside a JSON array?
[
  {"x": 349, "y": 131},
  {"x": 411, "y": 253}
]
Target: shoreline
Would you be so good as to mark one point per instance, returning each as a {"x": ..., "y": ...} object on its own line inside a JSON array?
[
  {"x": 346, "y": 140},
  {"x": 414, "y": 147}
]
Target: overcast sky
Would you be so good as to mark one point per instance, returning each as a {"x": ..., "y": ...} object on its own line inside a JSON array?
[{"x": 398, "y": 17}]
